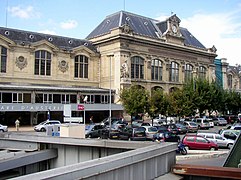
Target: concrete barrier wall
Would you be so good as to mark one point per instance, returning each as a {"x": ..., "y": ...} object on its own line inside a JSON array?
[{"x": 142, "y": 163}]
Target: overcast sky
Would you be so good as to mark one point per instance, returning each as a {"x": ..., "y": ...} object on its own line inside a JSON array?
[{"x": 212, "y": 22}]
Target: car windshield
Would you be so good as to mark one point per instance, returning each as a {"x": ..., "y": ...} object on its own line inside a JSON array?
[
  {"x": 205, "y": 121},
  {"x": 192, "y": 124},
  {"x": 42, "y": 122},
  {"x": 152, "y": 129}
]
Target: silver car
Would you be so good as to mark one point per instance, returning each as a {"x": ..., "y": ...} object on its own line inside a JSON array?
[
  {"x": 49, "y": 123},
  {"x": 218, "y": 139},
  {"x": 3, "y": 128}
]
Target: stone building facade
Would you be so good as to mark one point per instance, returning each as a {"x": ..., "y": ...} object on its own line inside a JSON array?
[
  {"x": 40, "y": 73},
  {"x": 157, "y": 54}
]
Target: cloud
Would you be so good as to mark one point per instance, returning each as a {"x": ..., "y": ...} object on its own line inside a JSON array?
[
  {"x": 23, "y": 13},
  {"x": 48, "y": 32},
  {"x": 223, "y": 30},
  {"x": 70, "y": 24}
]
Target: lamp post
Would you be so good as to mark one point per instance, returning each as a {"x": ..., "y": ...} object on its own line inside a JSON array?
[{"x": 110, "y": 56}]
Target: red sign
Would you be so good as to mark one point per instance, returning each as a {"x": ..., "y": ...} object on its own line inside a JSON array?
[{"x": 81, "y": 107}]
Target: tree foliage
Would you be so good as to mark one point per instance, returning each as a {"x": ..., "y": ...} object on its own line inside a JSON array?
[{"x": 134, "y": 99}]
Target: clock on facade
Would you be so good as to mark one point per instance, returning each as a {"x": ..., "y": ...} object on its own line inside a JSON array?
[{"x": 174, "y": 28}]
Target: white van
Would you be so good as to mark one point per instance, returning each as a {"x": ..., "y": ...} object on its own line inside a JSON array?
[{"x": 202, "y": 123}]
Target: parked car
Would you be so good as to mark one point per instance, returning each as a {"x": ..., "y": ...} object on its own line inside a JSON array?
[
  {"x": 161, "y": 128},
  {"x": 181, "y": 129},
  {"x": 202, "y": 123},
  {"x": 93, "y": 130},
  {"x": 217, "y": 138},
  {"x": 3, "y": 128},
  {"x": 198, "y": 142},
  {"x": 236, "y": 126},
  {"x": 220, "y": 121},
  {"x": 138, "y": 123},
  {"x": 134, "y": 134},
  {"x": 113, "y": 120},
  {"x": 211, "y": 123},
  {"x": 229, "y": 133},
  {"x": 160, "y": 121},
  {"x": 166, "y": 136},
  {"x": 150, "y": 131},
  {"x": 50, "y": 123},
  {"x": 111, "y": 133},
  {"x": 191, "y": 126},
  {"x": 172, "y": 128}
]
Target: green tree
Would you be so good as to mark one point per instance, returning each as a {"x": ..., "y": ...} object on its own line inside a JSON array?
[
  {"x": 157, "y": 103},
  {"x": 134, "y": 100}
]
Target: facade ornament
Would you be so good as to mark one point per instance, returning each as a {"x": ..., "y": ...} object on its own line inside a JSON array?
[
  {"x": 63, "y": 66},
  {"x": 126, "y": 29},
  {"x": 21, "y": 62},
  {"x": 124, "y": 70}
]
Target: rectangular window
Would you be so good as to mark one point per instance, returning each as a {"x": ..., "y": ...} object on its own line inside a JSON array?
[
  {"x": 3, "y": 59},
  {"x": 47, "y": 98},
  {"x": 6, "y": 97},
  {"x": 26, "y": 98},
  {"x": 42, "y": 64}
]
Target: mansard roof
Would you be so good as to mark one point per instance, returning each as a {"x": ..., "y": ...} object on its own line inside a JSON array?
[
  {"x": 142, "y": 26},
  {"x": 28, "y": 38}
]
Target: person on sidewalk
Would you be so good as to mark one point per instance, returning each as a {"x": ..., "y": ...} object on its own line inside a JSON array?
[{"x": 17, "y": 124}]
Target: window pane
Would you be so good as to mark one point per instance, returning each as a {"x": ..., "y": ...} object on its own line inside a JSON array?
[{"x": 81, "y": 67}]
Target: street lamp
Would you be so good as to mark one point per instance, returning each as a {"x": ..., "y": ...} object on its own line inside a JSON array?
[{"x": 110, "y": 56}]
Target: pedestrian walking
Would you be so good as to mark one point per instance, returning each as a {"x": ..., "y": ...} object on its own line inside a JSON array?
[
  {"x": 17, "y": 124},
  {"x": 91, "y": 120}
]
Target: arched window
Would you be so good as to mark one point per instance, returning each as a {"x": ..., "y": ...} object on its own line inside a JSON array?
[
  {"x": 188, "y": 72},
  {"x": 137, "y": 67},
  {"x": 3, "y": 59},
  {"x": 81, "y": 66},
  {"x": 202, "y": 72},
  {"x": 156, "y": 70},
  {"x": 174, "y": 72},
  {"x": 230, "y": 81},
  {"x": 42, "y": 63}
]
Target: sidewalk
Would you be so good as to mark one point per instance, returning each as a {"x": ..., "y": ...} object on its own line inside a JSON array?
[
  {"x": 21, "y": 128},
  {"x": 202, "y": 154}
]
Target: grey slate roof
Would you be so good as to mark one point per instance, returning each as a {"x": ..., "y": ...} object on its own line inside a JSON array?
[
  {"x": 140, "y": 25},
  {"x": 27, "y": 37},
  {"x": 190, "y": 40}
]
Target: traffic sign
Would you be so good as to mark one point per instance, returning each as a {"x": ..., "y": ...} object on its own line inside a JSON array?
[{"x": 81, "y": 107}]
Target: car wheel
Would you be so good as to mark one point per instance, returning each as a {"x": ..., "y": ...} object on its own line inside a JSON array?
[
  {"x": 229, "y": 146},
  {"x": 1, "y": 130},
  {"x": 212, "y": 149},
  {"x": 187, "y": 148},
  {"x": 42, "y": 129}
]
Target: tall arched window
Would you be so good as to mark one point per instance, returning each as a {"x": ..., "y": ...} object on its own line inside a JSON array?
[
  {"x": 174, "y": 72},
  {"x": 81, "y": 66},
  {"x": 42, "y": 63},
  {"x": 188, "y": 72},
  {"x": 202, "y": 72},
  {"x": 156, "y": 70},
  {"x": 137, "y": 67},
  {"x": 230, "y": 81},
  {"x": 3, "y": 59}
]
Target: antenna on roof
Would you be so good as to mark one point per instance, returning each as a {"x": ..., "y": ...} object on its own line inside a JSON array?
[
  {"x": 7, "y": 14},
  {"x": 124, "y": 4},
  {"x": 171, "y": 12}
]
